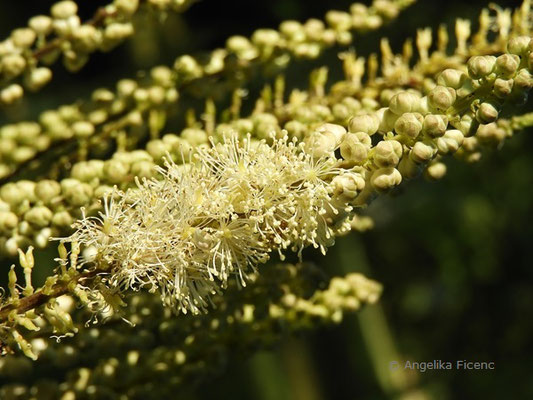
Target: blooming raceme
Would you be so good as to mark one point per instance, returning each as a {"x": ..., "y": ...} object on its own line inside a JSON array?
[{"x": 219, "y": 215}]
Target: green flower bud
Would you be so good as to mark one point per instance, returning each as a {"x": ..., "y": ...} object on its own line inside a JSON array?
[
  {"x": 486, "y": 113},
  {"x": 47, "y": 190},
  {"x": 435, "y": 125},
  {"x": 409, "y": 125},
  {"x": 86, "y": 39},
  {"x": 507, "y": 65},
  {"x": 126, "y": 87},
  {"x": 518, "y": 45},
  {"x": 265, "y": 125},
  {"x": 385, "y": 178},
  {"x": 388, "y": 119},
  {"x": 296, "y": 129},
  {"x": 116, "y": 32},
  {"x": 423, "y": 152},
  {"x": 242, "y": 47},
  {"x": 127, "y": 7},
  {"x": 404, "y": 102},
  {"x": 353, "y": 150},
  {"x": 367, "y": 123},
  {"x": 339, "y": 20},
  {"x": 39, "y": 216},
  {"x": 451, "y": 78},
  {"x": 143, "y": 169},
  {"x": 441, "y": 98},
  {"x": 188, "y": 68},
  {"x": 450, "y": 141},
  {"x": 162, "y": 76},
  {"x": 64, "y": 9},
  {"x": 62, "y": 219},
  {"x": 387, "y": 153},
  {"x": 480, "y": 66}
]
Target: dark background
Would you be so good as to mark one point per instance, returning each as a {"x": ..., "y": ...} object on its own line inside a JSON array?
[{"x": 454, "y": 256}]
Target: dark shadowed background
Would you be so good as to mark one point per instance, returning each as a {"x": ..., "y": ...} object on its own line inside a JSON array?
[{"x": 454, "y": 256}]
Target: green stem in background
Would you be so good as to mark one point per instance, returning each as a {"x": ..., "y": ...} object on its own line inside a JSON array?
[{"x": 386, "y": 360}]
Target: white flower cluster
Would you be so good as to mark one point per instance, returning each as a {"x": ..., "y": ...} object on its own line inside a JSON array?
[{"x": 217, "y": 216}]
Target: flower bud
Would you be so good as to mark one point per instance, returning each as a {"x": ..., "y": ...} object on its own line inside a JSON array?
[
  {"x": 39, "y": 216},
  {"x": 37, "y": 78},
  {"x": 409, "y": 125},
  {"x": 64, "y": 9},
  {"x": 368, "y": 123},
  {"x": 451, "y": 78},
  {"x": 194, "y": 136},
  {"x": 506, "y": 65},
  {"x": 337, "y": 130},
  {"x": 387, "y": 153},
  {"x": 347, "y": 186},
  {"x": 75, "y": 192},
  {"x": 423, "y": 152},
  {"x": 435, "y": 125},
  {"x": 503, "y": 88},
  {"x": 41, "y": 24},
  {"x": 8, "y": 221},
  {"x": 321, "y": 144},
  {"x": 486, "y": 113},
  {"x": 87, "y": 171},
  {"x": 491, "y": 134},
  {"x": 62, "y": 219},
  {"x": 12, "y": 65},
  {"x": 450, "y": 142},
  {"x": 436, "y": 171},
  {"x": 82, "y": 129},
  {"x": 353, "y": 150},
  {"x": 385, "y": 178},
  {"x": 47, "y": 190},
  {"x": 441, "y": 98},
  {"x": 387, "y": 120},
  {"x": 480, "y": 66},
  {"x": 23, "y": 37},
  {"x": 518, "y": 45},
  {"x": 404, "y": 102},
  {"x": 116, "y": 171}
]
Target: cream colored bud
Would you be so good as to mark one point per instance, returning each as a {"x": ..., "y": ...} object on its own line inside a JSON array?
[
  {"x": 347, "y": 186},
  {"x": 523, "y": 80},
  {"x": 157, "y": 149},
  {"x": 519, "y": 45},
  {"x": 404, "y": 102},
  {"x": 41, "y": 24},
  {"x": 385, "y": 178},
  {"x": 116, "y": 32},
  {"x": 387, "y": 153},
  {"x": 83, "y": 129},
  {"x": 47, "y": 190},
  {"x": 441, "y": 98},
  {"x": 337, "y": 130},
  {"x": 76, "y": 192},
  {"x": 162, "y": 75},
  {"x": 12, "y": 194},
  {"x": 367, "y": 123},
  {"x": 339, "y": 20},
  {"x": 64, "y": 9},
  {"x": 387, "y": 120},
  {"x": 451, "y": 78},
  {"x": 12, "y": 65},
  {"x": 194, "y": 136},
  {"x": 37, "y": 78},
  {"x": 8, "y": 221},
  {"x": 507, "y": 65},
  {"x": 423, "y": 152},
  {"x": 450, "y": 142},
  {"x": 491, "y": 134},
  {"x": 23, "y": 37},
  {"x": 486, "y": 113},
  {"x": 353, "y": 150},
  {"x": 39, "y": 216},
  {"x": 409, "y": 125},
  {"x": 321, "y": 144},
  {"x": 62, "y": 219},
  {"x": 435, "y": 125},
  {"x": 86, "y": 38},
  {"x": 503, "y": 87},
  {"x": 116, "y": 171},
  {"x": 156, "y": 95},
  {"x": 126, "y": 87},
  {"x": 127, "y": 7},
  {"x": 87, "y": 171},
  {"x": 481, "y": 66},
  {"x": 436, "y": 171},
  {"x": 242, "y": 47},
  {"x": 188, "y": 67}
]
